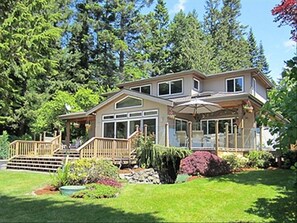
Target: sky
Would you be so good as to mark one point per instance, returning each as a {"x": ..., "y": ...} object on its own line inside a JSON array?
[{"x": 255, "y": 14}]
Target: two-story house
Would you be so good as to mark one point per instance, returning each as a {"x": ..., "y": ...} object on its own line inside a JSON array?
[{"x": 152, "y": 104}]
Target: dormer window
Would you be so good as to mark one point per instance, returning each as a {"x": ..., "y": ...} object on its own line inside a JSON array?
[
  {"x": 234, "y": 84},
  {"x": 170, "y": 87},
  {"x": 146, "y": 89},
  {"x": 196, "y": 84}
]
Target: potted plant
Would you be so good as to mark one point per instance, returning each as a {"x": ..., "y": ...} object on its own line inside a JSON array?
[
  {"x": 88, "y": 126},
  {"x": 76, "y": 125},
  {"x": 248, "y": 107}
]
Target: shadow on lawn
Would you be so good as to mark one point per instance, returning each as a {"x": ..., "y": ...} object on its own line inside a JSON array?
[
  {"x": 71, "y": 210},
  {"x": 282, "y": 208}
]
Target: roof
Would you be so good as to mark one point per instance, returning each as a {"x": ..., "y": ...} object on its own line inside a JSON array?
[
  {"x": 73, "y": 115},
  {"x": 195, "y": 72},
  {"x": 131, "y": 93}
]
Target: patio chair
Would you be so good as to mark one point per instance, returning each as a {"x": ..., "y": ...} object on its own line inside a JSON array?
[{"x": 182, "y": 138}]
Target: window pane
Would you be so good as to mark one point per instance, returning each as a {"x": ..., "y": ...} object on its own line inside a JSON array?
[
  {"x": 121, "y": 116},
  {"x": 129, "y": 102},
  {"x": 133, "y": 126},
  {"x": 204, "y": 127},
  {"x": 211, "y": 127},
  {"x": 146, "y": 89},
  {"x": 230, "y": 85},
  {"x": 184, "y": 126},
  {"x": 135, "y": 89},
  {"x": 151, "y": 126},
  {"x": 176, "y": 87},
  {"x": 148, "y": 113},
  {"x": 121, "y": 130},
  {"x": 196, "y": 85},
  {"x": 178, "y": 125},
  {"x": 163, "y": 88},
  {"x": 238, "y": 84},
  {"x": 109, "y": 130},
  {"x": 136, "y": 114},
  {"x": 108, "y": 117}
]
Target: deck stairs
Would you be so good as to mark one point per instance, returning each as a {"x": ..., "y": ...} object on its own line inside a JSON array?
[
  {"x": 72, "y": 153},
  {"x": 35, "y": 163}
]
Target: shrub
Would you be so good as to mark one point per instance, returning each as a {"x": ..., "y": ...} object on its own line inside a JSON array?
[
  {"x": 85, "y": 171},
  {"x": 235, "y": 162},
  {"x": 97, "y": 191},
  {"x": 204, "y": 163},
  {"x": 61, "y": 178},
  {"x": 259, "y": 159},
  {"x": 109, "y": 182},
  {"x": 4, "y": 145},
  {"x": 290, "y": 158}
]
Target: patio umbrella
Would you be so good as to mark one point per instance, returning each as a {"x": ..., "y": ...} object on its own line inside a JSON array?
[{"x": 197, "y": 106}]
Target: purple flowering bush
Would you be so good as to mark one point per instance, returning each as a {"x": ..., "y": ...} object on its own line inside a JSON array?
[
  {"x": 109, "y": 182},
  {"x": 205, "y": 164}
]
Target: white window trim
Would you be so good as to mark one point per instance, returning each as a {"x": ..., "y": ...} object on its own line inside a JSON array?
[
  {"x": 194, "y": 79},
  {"x": 140, "y": 86},
  {"x": 137, "y": 106},
  {"x": 151, "y": 114},
  {"x": 126, "y": 114},
  {"x": 234, "y": 78},
  {"x": 103, "y": 117},
  {"x": 180, "y": 119},
  {"x": 129, "y": 114},
  {"x": 169, "y": 83}
]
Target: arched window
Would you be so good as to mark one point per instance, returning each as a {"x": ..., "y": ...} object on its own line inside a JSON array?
[{"x": 128, "y": 102}]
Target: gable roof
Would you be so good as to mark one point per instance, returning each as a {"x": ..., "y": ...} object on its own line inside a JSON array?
[{"x": 130, "y": 93}]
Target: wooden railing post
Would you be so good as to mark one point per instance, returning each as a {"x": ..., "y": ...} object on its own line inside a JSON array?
[
  {"x": 114, "y": 145},
  {"x": 235, "y": 137},
  {"x": 95, "y": 148},
  {"x": 145, "y": 132},
  {"x": 17, "y": 147},
  {"x": 55, "y": 133},
  {"x": 166, "y": 134},
  {"x": 217, "y": 136},
  {"x": 44, "y": 135},
  {"x": 35, "y": 148},
  {"x": 227, "y": 134},
  {"x": 190, "y": 135},
  {"x": 40, "y": 137}
]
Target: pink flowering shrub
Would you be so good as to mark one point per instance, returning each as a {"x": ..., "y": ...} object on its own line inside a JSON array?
[
  {"x": 109, "y": 182},
  {"x": 205, "y": 164}
]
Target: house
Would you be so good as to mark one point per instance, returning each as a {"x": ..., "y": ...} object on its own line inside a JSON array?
[{"x": 152, "y": 105}]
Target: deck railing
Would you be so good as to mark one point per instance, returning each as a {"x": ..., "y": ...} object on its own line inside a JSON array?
[
  {"x": 34, "y": 148},
  {"x": 114, "y": 149}
]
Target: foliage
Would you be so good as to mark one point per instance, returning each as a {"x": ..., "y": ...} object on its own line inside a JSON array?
[
  {"x": 286, "y": 14},
  {"x": 4, "y": 145},
  {"x": 205, "y": 164},
  {"x": 235, "y": 162},
  {"x": 279, "y": 112},
  {"x": 159, "y": 156},
  {"x": 259, "y": 159},
  {"x": 109, "y": 182},
  {"x": 85, "y": 171},
  {"x": 95, "y": 191},
  {"x": 290, "y": 158},
  {"x": 61, "y": 178},
  {"x": 294, "y": 168}
]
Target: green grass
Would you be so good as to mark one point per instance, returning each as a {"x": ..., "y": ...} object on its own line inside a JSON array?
[{"x": 256, "y": 196}]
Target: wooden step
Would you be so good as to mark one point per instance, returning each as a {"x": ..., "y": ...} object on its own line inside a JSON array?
[{"x": 46, "y": 164}]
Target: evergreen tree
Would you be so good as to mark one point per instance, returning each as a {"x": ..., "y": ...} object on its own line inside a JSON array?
[
  {"x": 28, "y": 53},
  {"x": 188, "y": 44},
  {"x": 262, "y": 63},
  {"x": 253, "y": 49}
]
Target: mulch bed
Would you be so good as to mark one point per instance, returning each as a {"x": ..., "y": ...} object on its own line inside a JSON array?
[{"x": 46, "y": 190}]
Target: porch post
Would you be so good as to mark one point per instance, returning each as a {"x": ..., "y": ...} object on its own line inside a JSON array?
[
  {"x": 242, "y": 134},
  {"x": 227, "y": 134},
  {"x": 40, "y": 137},
  {"x": 167, "y": 135},
  {"x": 67, "y": 138},
  {"x": 190, "y": 135},
  {"x": 44, "y": 135},
  {"x": 217, "y": 136},
  {"x": 235, "y": 137},
  {"x": 55, "y": 133},
  {"x": 261, "y": 137}
]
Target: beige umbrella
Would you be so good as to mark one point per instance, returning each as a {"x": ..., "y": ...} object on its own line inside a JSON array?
[{"x": 197, "y": 106}]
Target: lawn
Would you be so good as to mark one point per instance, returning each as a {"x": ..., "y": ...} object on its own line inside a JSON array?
[{"x": 255, "y": 196}]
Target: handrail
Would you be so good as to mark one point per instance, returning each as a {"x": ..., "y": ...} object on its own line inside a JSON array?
[{"x": 107, "y": 147}]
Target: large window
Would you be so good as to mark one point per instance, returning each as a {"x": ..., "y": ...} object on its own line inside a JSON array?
[
  {"x": 209, "y": 126},
  {"x": 142, "y": 89},
  {"x": 234, "y": 84},
  {"x": 171, "y": 87},
  {"x": 180, "y": 125},
  {"x": 128, "y": 102}
]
